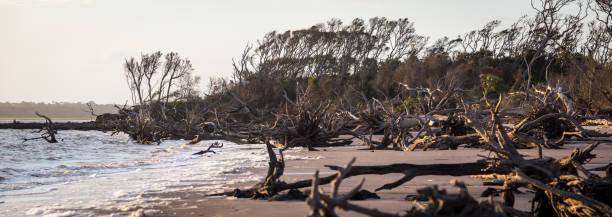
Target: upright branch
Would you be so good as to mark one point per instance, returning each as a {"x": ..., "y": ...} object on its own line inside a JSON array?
[{"x": 49, "y": 129}]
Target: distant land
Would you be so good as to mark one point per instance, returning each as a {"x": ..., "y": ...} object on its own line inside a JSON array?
[{"x": 57, "y": 110}]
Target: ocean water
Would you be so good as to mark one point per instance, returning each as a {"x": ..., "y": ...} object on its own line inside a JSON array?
[{"x": 95, "y": 170}]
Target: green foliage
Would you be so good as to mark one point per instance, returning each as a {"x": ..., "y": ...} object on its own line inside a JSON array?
[
  {"x": 518, "y": 97},
  {"x": 491, "y": 84}
]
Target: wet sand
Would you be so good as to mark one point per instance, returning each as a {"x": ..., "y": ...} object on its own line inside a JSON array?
[{"x": 195, "y": 204}]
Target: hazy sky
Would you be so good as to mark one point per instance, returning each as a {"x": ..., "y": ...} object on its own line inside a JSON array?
[{"x": 73, "y": 50}]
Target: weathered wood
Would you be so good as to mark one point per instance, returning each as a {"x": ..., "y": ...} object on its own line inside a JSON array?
[
  {"x": 49, "y": 129},
  {"x": 559, "y": 191},
  {"x": 439, "y": 202},
  {"x": 444, "y": 142},
  {"x": 459, "y": 169},
  {"x": 209, "y": 149}
]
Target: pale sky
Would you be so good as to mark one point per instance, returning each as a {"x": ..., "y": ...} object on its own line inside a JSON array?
[{"x": 73, "y": 50}]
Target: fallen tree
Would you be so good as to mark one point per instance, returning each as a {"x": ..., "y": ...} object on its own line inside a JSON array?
[
  {"x": 272, "y": 184},
  {"x": 439, "y": 203}
]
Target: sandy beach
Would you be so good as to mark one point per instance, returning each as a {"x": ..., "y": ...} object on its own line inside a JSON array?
[{"x": 189, "y": 203}]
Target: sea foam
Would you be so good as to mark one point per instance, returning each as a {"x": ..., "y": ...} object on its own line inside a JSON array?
[{"x": 89, "y": 170}]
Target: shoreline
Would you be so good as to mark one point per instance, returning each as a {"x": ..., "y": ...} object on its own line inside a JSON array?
[
  {"x": 52, "y": 118},
  {"x": 195, "y": 204}
]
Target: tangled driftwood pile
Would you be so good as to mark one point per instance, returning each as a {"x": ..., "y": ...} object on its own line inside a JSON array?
[{"x": 563, "y": 187}]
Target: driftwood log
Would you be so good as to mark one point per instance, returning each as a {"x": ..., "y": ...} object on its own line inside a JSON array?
[
  {"x": 439, "y": 203},
  {"x": 272, "y": 185}
]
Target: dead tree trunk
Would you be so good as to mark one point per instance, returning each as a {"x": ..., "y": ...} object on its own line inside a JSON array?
[{"x": 49, "y": 129}]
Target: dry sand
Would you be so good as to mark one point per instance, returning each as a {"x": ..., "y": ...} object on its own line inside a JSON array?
[{"x": 195, "y": 204}]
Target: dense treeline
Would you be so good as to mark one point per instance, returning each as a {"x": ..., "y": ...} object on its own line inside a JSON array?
[
  {"x": 54, "y": 110},
  {"x": 333, "y": 60}
]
